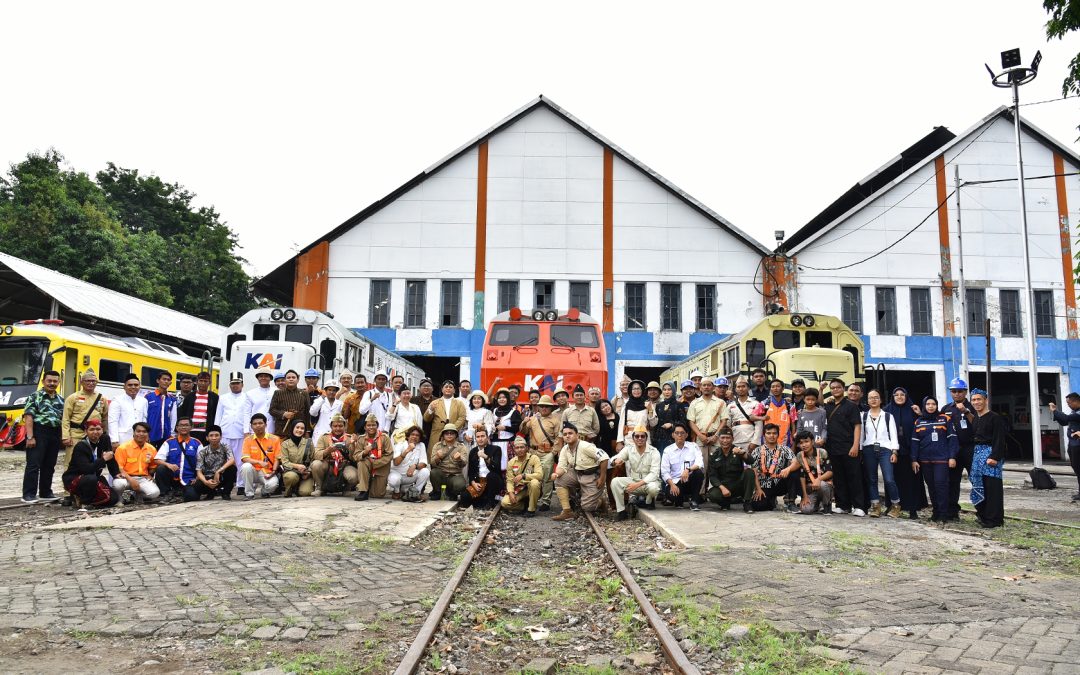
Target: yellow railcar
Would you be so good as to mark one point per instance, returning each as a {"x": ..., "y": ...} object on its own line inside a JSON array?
[
  {"x": 813, "y": 347},
  {"x": 30, "y": 348}
]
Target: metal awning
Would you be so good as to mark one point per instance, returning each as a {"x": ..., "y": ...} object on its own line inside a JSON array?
[{"x": 96, "y": 305}]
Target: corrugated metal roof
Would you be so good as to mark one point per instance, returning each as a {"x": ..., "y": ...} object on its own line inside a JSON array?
[{"x": 85, "y": 298}]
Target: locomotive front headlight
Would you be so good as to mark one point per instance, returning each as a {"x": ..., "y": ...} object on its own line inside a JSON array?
[
  {"x": 290, "y": 315},
  {"x": 275, "y": 315},
  {"x": 796, "y": 320},
  {"x": 551, "y": 315},
  {"x": 808, "y": 321},
  {"x": 538, "y": 315}
]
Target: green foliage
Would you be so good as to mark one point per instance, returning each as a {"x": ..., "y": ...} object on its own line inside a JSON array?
[
  {"x": 1064, "y": 19},
  {"x": 131, "y": 233}
]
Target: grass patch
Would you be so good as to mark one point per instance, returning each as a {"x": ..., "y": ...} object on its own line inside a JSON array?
[
  {"x": 1056, "y": 549},
  {"x": 341, "y": 542},
  {"x": 191, "y": 600},
  {"x": 767, "y": 651},
  {"x": 333, "y": 662},
  {"x": 847, "y": 542}
]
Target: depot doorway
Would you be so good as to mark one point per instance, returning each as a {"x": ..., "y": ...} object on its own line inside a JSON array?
[
  {"x": 438, "y": 369},
  {"x": 1009, "y": 398},
  {"x": 646, "y": 374}
]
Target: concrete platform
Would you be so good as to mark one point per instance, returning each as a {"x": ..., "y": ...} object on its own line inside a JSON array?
[{"x": 327, "y": 515}]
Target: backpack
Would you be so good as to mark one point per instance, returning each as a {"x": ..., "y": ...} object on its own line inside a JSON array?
[
  {"x": 335, "y": 472},
  {"x": 1041, "y": 479}
]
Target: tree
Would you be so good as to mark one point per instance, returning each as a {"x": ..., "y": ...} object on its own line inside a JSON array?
[
  {"x": 133, "y": 234},
  {"x": 1065, "y": 18}
]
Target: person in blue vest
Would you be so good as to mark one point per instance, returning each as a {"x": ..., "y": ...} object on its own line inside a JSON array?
[
  {"x": 176, "y": 460},
  {"x": 161, "y": 410},
  {"x": 1071, "y": 420},
  {"x": 934, "y": 447},
  {"x": 963, "y": 418}
]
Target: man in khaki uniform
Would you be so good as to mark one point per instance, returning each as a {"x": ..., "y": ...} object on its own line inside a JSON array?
[
  {"x": 542, "y": 433},
  {"x": 447, "y": 458},
  {"x": 446, "y": 410},
  {"x": 642, "y": 473},
  {"x": 372, "y": 453},
  {"x": 80, "y": 407},
  {"x": 583, "y": 416},
  {"x": 707, "y": 415},
  {"x": 582, "y": 467},
  {"x": 523, "y": 474},
  {"x": 339, "y": 439},
  {"x": 562, "y": 400}
]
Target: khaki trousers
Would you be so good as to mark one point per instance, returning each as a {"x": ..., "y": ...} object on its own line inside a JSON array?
[
  {"x": 375, "y": 485},
  {"x": 320, "y": 467},
  {"x": 618, "y": 491},
  {"x": 591, "y": 495},
  {"x": 517, "y": 502},
  {"x": 547, "y": 464},
  {"x": 301, "y": 486}
]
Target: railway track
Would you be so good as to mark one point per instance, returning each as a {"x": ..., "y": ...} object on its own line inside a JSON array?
[{"x": 438, "y": 623}]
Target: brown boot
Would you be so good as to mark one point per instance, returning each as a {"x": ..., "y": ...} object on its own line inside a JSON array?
[
  {"x": 566, "y": 514},
  {"x": 894, "y": 511},
  {"x": 875, "y": 510}
]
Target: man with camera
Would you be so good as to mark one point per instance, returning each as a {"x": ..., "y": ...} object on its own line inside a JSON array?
[{"x": 333, "y": 468}]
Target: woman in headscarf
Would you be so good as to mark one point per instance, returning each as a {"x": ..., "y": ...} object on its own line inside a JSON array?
[
  {"x": 911, "y": 484},
  {"x": 637, "y": 412},
  {"x": 478, "y": 417},
  {"x": 933, "y": 453},
  {"x": 609, "y": 427},
  {"x": 297, "y": 453},
  {"x": 507, "y": 422},
  {"x": 668, "y": 412}
]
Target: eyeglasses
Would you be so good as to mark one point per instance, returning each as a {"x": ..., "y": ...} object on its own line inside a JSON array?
[{"x": 641, "y": 436}]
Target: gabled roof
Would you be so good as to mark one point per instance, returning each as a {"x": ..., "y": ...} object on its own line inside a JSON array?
[
  {"x": 101, "y": 306},
  {"x": 282, "y": 276},
  {"x": 937, "y": 142}
]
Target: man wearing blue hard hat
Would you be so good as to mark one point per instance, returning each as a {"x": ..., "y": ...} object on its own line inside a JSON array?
[{"x": 963, "y": 418}]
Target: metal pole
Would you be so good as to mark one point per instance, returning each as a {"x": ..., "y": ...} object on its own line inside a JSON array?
[
  {"x": 963, "y": 289},
  {"x": 1033, "y": 365},
  {"x": 986, "y": 332}
]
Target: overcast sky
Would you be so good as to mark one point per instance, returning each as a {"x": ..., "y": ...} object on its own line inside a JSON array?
[{"x": 289, "y": 118}]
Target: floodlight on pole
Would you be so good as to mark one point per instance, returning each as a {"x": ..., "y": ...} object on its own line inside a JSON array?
[{"x": 1012, "y": 75}]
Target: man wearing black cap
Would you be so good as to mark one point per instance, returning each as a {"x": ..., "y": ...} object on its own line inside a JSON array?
[
  {"x": 445, "y": 410},
  {"x": 798, "y": 391},
  {"x": 582, "y": 467},
  {"x": 583, "y": 416}
]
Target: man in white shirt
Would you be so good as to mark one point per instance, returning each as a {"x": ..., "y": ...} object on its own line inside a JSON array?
[
  {"x": 377, "y": 402},
  {"x": 464, "y": 392},
  {"x": 325, "y": 407},
  {"x": 258, "y": 400},
  {"x": 642, "y": 477},
  {"x": 682, "y": 469},
  {"x": 125, "y": 410},
  {"x": 232, "y": 417}
]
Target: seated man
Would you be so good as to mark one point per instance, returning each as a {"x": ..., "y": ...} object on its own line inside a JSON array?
[
  {"x": 409, "y": 470},
  {"x": 485, "y": 476},
  {"x": 334, "y": 468},
  {"x": 175, "y": 461},
  {"x": 812, "y": 470},
  {"x": 372, "y": 453},
  {"x": 89, "y": 458},
  {"x": 582, "y": 468},
  {"x": 682, "y": 469},
  {"x": 133, "y": 459},
  {"x": 772, "y": 465},
  {"x": 523, "y": 474},
  {"x": 728, "y": 475},
  {"x": 259, "y": 458},
  {"x": 215, "y": 469},
  {"x": 642, "y": 477},
  {"x": 448, "y": 458}
]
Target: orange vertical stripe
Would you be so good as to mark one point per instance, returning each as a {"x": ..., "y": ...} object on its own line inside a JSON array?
[
  {"x": 609, "y": 241},
  {"x": 311, "y": 278},
  {"x": 1066, "y": 246},
  {"x": 947, "y": 287},
  {"x": 480, "y": 271}
]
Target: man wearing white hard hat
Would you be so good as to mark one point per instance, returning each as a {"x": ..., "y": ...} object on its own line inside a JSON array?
[
  {"x": 258, "y": 399},
  {"x": 325, "y": 407}
]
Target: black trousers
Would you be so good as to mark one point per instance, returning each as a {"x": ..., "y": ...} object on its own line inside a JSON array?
[
  {"x": 912, "y": 485},
  {"x": 687, "y": 490},
  {"x": 87, "y": 489},
  {"x": 1074, "y": 460},
  {"x": 195, "y": 490},
  {"x": 768, "y": 502},
  {"x": 488, "y": 498},
  {"x": 991, "y": 510},
  {"x": 165, "y": 480},
  {"x": 41, "y": 462},
  {"x": 963, "y": 463},
  {"x": 848, "y": 481}
]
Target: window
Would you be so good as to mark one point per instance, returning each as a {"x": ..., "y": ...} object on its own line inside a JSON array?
[
  {"x": 380, "y": 303},
  {"x": 508, "y": 295},
  {"x": 975, "y": 302},
  {"x": 544, "y": 295},
  {"x": 670, "y": 306},
  {"x": 514, "y": 334},
  {"x": 579, "y": 296},
  {"x": 731, "y": 360},
  {"x": 851, "y": 307},
  {"x": 819, "y": 338},
  {"x": 266, "y": 331},
  {"x": 1010, "y": 313},
  {"x": 574, "y": 335},
  {"x": 415, "y": 292},
  {"x": 921, "y": 323},
  {"x": 21, "y": 361},
  {"x": 706, "y": 307},
  {"x": 785, "y": 339},
  {"x": 150, "y": 375},
  {"x": 635, "y": 306},
  {"x": 299, "y": 333},
  {"x": 1044, "y": 313},
  {"x": 451, "y": 304},
  {"x": 885, "y": 306},
  {"x": 755, "y": 353},
  {"x": 113, "y": 371}
]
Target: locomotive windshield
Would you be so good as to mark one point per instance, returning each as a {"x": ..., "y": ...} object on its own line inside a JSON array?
[
  {"x": 21, "y": 361},
  {"x": 574, "y": 335},
  {"x": 514, "y": 334}
]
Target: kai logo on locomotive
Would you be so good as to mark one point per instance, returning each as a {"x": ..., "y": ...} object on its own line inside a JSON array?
[{"x": 262, "y": 360}]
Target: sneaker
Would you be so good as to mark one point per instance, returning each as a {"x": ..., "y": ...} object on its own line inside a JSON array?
[
  {"x": 838, "y": 510},
  {"x": 29, "y": 500},
  {"x": 894, "y": 511},
  {"x": 50, "y": 497},
  {"x": 649, "y": 506},
  {"x": 859, "y": 513},
  {"x": 621, "y": 515},
  {"x": 225, "y": 496},
  {"x": 544, "y": 507},
  {"x": 746, "y": 507},
  {"x": 316, "y": 493},
  {"x": 875, "y": 510},
  {"x": 791, "y": 508},
  {"x": 67, "y": 501},
  {"x": 127, "y": 497},
  {"x": 694, "y": 506},
  {"x": 83, "y": 509},
  {"x": 248, "y": 498},
  {"x": 265, "y": 494},
  {"x": 360, "y": 497}
]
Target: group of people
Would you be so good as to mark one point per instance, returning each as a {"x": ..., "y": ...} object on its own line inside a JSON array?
[{"x": 753, "y": 444}]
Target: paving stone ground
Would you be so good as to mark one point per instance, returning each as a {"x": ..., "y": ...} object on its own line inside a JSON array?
[{"x": 892, "y": 596}]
